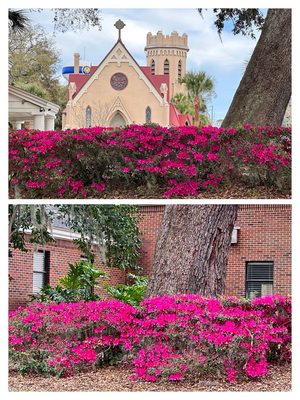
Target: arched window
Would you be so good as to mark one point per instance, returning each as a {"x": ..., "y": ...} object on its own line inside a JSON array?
[
  {"x": 166, "y": 67},
  {"x": 152, "y": 67},
  {"x": 148, "y": 115},
  {"x": 179, "y": 69},
  {"x": 88, "y": 117}
]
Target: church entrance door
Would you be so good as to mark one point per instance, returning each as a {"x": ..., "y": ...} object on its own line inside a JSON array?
[{"x": 117, "y": 120}]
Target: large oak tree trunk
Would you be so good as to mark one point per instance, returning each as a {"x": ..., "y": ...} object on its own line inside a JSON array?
[
  {"x": 265, "y": 89},
  {"x": 192, "y": 250}
]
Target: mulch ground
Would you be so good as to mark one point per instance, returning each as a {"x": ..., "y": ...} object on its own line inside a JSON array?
[
  {"x": 231, "y": 190},
  {"x": 226, "y": 191},
  {"x": 117, "y": 379}
]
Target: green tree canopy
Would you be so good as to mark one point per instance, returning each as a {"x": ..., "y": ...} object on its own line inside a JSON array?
[
  {"x": 244, "y": 20},
  {"x": 184, "y": 104},
  {"x": 33, "y": 61},
  {"x": 113, "y": 229},
  {"x": 64, "y": 19}
]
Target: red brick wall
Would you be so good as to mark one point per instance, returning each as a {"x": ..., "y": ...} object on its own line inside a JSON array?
[
  {"x": 151, "y": 217},
  {"x": 264, "y": 235},
  {"x": 62, "y": 252}
]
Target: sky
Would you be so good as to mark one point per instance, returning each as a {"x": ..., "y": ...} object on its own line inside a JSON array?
[{"x": 223, "y": 59}]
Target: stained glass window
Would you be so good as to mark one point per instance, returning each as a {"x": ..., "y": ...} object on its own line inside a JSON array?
[
  {"x": 148, "y": 115},
  {"x": 88, "y": 117},
  {"x": 119, "y": 81}
]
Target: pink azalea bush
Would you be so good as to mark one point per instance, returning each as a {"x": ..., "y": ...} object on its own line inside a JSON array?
[
  {"x": 169, "y": 337},
  {"x": 86, "y": 162},
  {"x": 68, "y": 337}
]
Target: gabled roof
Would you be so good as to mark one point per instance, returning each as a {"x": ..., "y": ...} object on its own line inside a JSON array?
[
  {"x": 33, "y": 99},
  {"x": 157, "y": 80},
  {"x": 177, "y": 119},
  {"x": 84, "y": 83},
  {"x": 81, "y": 79},
  {"x": 174, "y": 119},
  {"x": 185, "y": 117}
]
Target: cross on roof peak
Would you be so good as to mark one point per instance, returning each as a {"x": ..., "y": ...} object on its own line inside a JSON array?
[{"x": 119, "y": 25}]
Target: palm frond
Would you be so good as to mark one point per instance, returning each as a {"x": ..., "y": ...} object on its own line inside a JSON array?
[{"x": 18, "y": 20}]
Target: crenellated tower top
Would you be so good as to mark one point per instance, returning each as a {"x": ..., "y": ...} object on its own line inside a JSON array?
[
  {"x": 167, "y": 54},
  {"x": 171, "y": 41}
]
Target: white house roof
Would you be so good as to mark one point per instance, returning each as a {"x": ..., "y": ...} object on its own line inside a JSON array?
[{"x": 33, "y": 99}]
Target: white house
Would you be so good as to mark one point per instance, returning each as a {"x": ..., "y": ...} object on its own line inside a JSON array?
[{"x": 33, "y": 112}]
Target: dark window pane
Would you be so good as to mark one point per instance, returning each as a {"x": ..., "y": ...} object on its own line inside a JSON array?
[
  {"x": 166, "y": 67},
  {"x": 41, "y": 265},
  {"x": 259, "y": 279}
]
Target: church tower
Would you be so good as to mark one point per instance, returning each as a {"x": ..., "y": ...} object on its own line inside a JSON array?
[{"x": 167, "y": 54}]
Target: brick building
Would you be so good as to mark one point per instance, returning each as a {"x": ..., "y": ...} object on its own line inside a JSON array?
[{"x": 259, "y": 260}]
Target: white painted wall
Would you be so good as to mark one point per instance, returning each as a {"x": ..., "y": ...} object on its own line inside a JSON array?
[{"x": 40, "y": 116}]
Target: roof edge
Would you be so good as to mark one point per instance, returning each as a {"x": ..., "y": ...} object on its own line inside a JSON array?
[{"x": 38, "y": 100}]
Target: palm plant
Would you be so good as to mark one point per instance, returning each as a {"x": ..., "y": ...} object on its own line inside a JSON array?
[
  {"x": 199, "y": 86},
  {"x": 183, "y": 103},
  {"x": 18, "y": 20}
]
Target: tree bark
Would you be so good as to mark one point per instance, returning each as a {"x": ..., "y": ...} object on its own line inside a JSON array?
[
  {"x": 265, "y": 89},
  {"x": 197, "y": 110},
  {"x": 192, "y": 250}
]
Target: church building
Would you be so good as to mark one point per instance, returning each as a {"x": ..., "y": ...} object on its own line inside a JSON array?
[{"x": 118, "y": 91}]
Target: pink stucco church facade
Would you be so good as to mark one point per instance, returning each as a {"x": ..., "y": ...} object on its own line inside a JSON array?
[{"x": 119, "y": 91}]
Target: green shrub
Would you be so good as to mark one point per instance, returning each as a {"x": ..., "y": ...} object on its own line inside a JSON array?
[
  {"x": 77, "y": 285},
  {"x": 130, "y": 294}
]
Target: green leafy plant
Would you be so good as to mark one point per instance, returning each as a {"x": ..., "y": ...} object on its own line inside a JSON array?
[
  {"x": 130, "y": 294},
  {"x": 81, "y": 274},
  {"x": 111, "y": 228},
  {"x": 77, "y": 285},
  {"x": 24, "y": 218}
]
